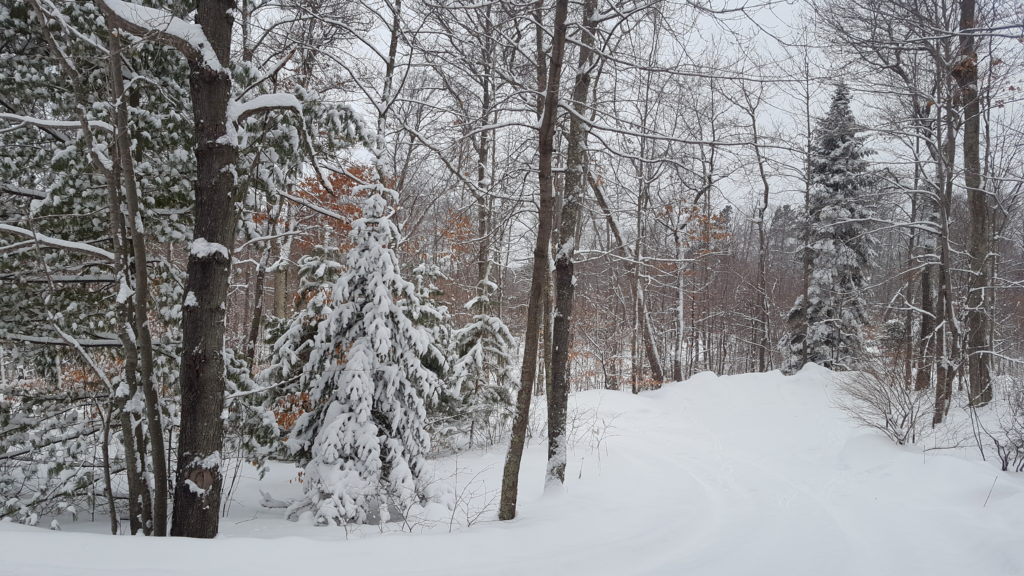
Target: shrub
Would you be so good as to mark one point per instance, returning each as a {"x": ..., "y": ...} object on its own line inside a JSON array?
[
  {"x": 1007, "y": 433},
  {"x": 879, "y": 397}
]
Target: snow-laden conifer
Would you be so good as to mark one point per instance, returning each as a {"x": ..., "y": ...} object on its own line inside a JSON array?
[
  {"x": 365, "y": 434},
  {"x": 826, "y": 325},
  {"x": 478, "y": 402}
]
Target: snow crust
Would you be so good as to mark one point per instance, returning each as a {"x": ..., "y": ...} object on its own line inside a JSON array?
[{"x": 745, "y": 475}]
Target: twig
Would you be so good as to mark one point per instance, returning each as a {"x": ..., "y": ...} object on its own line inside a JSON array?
[{"x": 990, "y": 490}]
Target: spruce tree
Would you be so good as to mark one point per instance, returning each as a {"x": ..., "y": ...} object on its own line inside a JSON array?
[
  {"x": 364, "y": 438},
  {"x": 826, "y": 326}
]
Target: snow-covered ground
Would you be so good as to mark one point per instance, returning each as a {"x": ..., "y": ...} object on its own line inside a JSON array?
[{"x": 745, "y": 475}]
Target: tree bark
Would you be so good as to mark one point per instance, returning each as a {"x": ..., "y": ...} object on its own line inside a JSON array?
[
  {"x": 577, "y": 166},
  {"x": 979, "y": 348},
  {"x": 199, "y": 478}
]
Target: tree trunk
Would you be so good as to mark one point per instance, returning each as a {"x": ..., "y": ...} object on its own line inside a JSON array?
[
  {"x": 144, "y": 339},
  {"x": 281, "y": 285},
  {"x": 650, "y": 345},
  {"x": 762, "y": 320},
  {"x": 546, "y": 140},
  {"x": 548, "y": 315},
  {"x": 256, "y": 319},
  {"x": 979, "y": 349},
  {"x": 648, "y": 335},
  {"x": 679, "y": 344},
  {"x": 108, "y": 485},
  {"x": 946, "y": 347},
  {"x": 577, "y": 165},
  {"x": 139, "y": 504},
  {"x": 199, "y": 478}
]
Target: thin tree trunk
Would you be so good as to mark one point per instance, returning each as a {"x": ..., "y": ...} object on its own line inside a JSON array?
[
  {"x": 546, "y": 139},
  {"x": 139, "y": 503},
  {"x": 648, "y": 335},
  {"x": 577, "y": 167},
  {"x": 256, "y": 319},
  {"x": 108, "y": 484},
  {"x": 281, "y": 280},
  {"x": 144, "y": 339},
  {"x": 549, "y": 313},
  {"x": 678, "y": 344},
  {"x": 946, "y": 347},
  {"x": 762, "y": 320},
  {"x": 650, "y": 344}
]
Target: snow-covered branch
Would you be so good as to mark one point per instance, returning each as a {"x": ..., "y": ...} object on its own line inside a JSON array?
[
  {"x": 103, "y": 341},
  {"x": 15, "y": 190},
  {"x": 62, "y": 124},
  {"x": 186, "y": 37},
  {"x": 239, "y": 111},
  {"x": 57, "y": 242}
]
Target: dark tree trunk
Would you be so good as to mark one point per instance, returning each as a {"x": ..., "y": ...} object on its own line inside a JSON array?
[
  {"x": 565, "y": 283},
  {"x": 978, "y": 247},
  {"x": 923, "y": 378},
  {"x": 199, "y": 478}
]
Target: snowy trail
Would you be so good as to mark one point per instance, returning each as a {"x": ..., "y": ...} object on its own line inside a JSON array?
[{"x": 743, "y": 475}]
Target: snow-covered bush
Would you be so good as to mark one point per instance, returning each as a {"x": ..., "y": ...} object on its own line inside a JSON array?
[
  {"x": 42, "y": 451},
  {"x": 879, "y": 397}
]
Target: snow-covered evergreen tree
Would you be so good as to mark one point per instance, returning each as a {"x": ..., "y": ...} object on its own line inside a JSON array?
[
  {"x": 364, "y": 438},
  {"x": 826, "y": 325},
  {"x": 476, "y": 406},
  {"x": 59, "y": 183},
  {"x": 292, "y": 340},
  {"x": 427, "y": 312}
]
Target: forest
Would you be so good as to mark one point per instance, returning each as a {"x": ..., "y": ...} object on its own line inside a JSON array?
[{"x": 452, "y": 265}]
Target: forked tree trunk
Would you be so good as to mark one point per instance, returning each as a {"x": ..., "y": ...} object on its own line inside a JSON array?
[
  {"x": 140, "y": 313},
  {"x": 546, "y": 142}
]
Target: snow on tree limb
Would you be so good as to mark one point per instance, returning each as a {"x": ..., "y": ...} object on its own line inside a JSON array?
[
  {"x": 57, "y": 242},
  {"x": 110, "y": 341},
  {"x": 239, "y": 111},
  {"x": 43, "y": 123},
  {"x": 16, "y": 190},
  {"x": 186, "y": 37}
]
